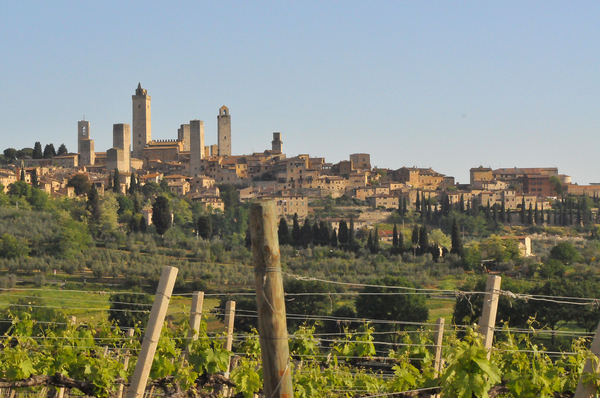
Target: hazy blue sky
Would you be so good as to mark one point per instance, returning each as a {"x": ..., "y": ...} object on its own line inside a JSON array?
[{"x": 446, "y": 84}]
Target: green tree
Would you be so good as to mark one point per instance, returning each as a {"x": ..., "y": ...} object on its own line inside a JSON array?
[
  {"x": 566, "y": 253},
  {"x": 62, "y": 150},
  {"x": 49, "y": 151},
  {"x": 283, "y": 232},
  {"x": 130, "y": 309},
  {"x": 296, "y": 233},
  {"x": 556, "y": 185},
  {"x": 161, "y": 215},
  {"x": 334, "y": 239},
  {"x": 93, "y": 205},
  {"x": 457, "y": 246},
  {"x": 395, "y": 237},
  {"x": 306, "y": 233},
  {"x": 303, "y": 307},
  {"x": 13, "y": 247},
  {"x": 116, "y": 182},
  {"x": 351, "y": 235},
  {"x": 34, "y": 178},
  {"x": 109, "y": 221},
  {"x": 343, "y": 233},
  {"x": 80, "y": 184},
  {"x": 10, "y": 154},
  {"x": 37, "y": 151},
  {"x": 401, "y": 307},
  {"x": 205, "y": 228}
]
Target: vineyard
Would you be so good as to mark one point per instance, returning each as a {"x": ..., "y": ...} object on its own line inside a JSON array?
[{"x": 99, "y": 359}]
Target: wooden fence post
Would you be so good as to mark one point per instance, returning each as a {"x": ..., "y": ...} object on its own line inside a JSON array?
[
  {"x": 155, "y": 323},
  {"x": 490, "y": 308},
  {"x": 229, "y": 319},
  {"x": 195, "y": 318},
  {"x": 591, "y": 366},
  {"x": 272, "y": 326},
  {"x": 438, "y": 339},
  {"x": 129, "y": 335}
]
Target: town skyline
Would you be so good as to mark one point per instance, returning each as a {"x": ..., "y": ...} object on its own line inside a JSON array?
[{"x": 449, "y": 87}]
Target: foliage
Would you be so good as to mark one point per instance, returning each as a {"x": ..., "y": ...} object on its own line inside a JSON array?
[{"x": 129, "y": 310}]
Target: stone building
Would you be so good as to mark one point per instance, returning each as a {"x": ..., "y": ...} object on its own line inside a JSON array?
[
  {"x": 142, "y": 125},
  {"x": 119, "y": 156},
  {"x": 224, "y": 131},
  {"x": 196, "y": 147}
]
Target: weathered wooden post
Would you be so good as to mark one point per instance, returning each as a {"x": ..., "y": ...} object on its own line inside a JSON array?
[
  {"x": 195, "y": 319},
  {"x": 229, "y": 319},
  {"x": 129, "y": 335},
  {"x": 490, "y": 308},
  {"x": 591, "y": 366},
  {"x": 438, "y": 339},
  {"x": 155, "y": 323},
  {"x": 272, "y": 326}
]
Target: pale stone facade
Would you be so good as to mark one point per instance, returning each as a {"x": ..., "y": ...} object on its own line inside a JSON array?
[
  {"x": 119, "y": 156},
  {"x": 183, "y": 135}
]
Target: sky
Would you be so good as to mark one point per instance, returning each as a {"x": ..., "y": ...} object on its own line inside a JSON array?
[{"x": 444, "y": 84}]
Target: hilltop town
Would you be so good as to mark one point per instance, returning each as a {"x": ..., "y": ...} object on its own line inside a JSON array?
[{"x": 190, "y": 168}]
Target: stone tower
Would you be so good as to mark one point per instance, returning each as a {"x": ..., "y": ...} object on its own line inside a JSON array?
[
  {"x": 119, "y": 156},
  {"x": 141, "y": 121},
  {"x": 277, "y": 144},
  {"x": 183, "y": 135},
  {"x": 85, "y": 145},
  {"x": 196, "y": 147},
  {"x": 224, "y": 131},
  {"x": 83, "y": 133}
]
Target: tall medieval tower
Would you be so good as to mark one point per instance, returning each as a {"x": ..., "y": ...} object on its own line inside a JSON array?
[
  {"x": 141, "y": 133},
  {"x": 196, "y": 147},
  {"x": 224, "y": 131},
  {"x": 85, "y": 145},
  {"x": 83, "y": 133}
]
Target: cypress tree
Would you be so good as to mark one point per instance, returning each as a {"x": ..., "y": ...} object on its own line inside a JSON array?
[
  {"x": 49, "y": 151},
  {"x": 34, "y": 178},
  {"x": 22, "y": 176},
  {"x": 400, "y": 247},
  {"x": 523, "y": 209},
  {"x": 429, "y": 211},
  {"x": 205, "y": 227},
  {"x": 351, "y": 235},
  {"x": 457, "y": 247},
  {"x": 415, "y": 235},
  {"x": 109, "y": 186},
  {"x": 509, "y": 216},
  {"x": 488, "y": 211},
  {"x": 143, "y": 224},
  {"x": 461, "y": 205},
  {"x": 495, "y": 213},
  {"x": 536, "y": 215},
  {"x": 334, "y": 239},
  {"x": 315, "y": 235},
  {"x": 370, "y": 243},
  {"x": 404, "y": 206},
  {"x": 343, "y": 233},
  {"x": 395, "y": 237},
  {"x": 37, "y": 151},
  {"x": 530, "y": 215},
  {"x": 161, "y": 215},
  {"x": 117, "y": 182},
  {"x": 283, "y": 232},
  {"x": 306, "y": 233},
  {"x": 503, "y": 212},
  {"x": 324, "y": 235},
  {"x": 296, "y": 233},
  {"x": 62, "y": 150},
  {"x": 132, "y": 184},
  {"x": 93, "y": 205},
  {"x": 376, "y": 241},
  {"x": 418, "y": 203}
]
